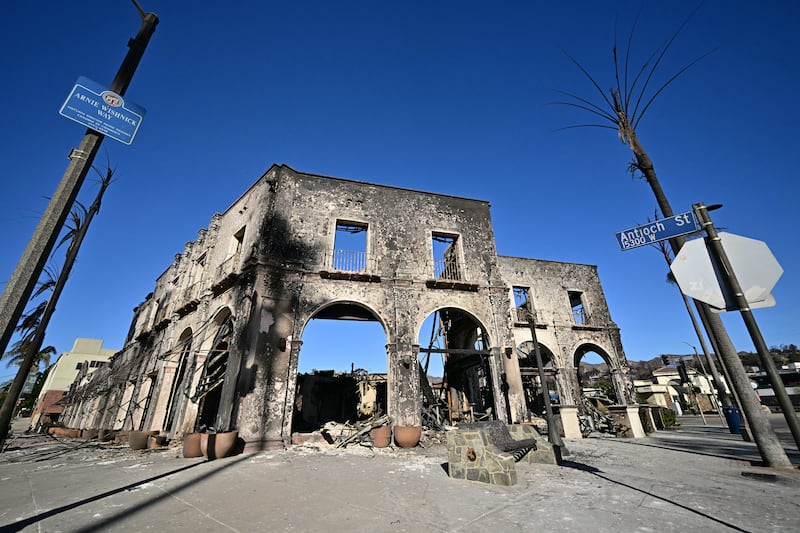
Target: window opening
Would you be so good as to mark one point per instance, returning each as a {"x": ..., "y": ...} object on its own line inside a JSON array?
[
  {"x": 445, "y": 257},
  {"x": 521, "y": 295},
  {"x": 350, "y": 247},
  {"x": 578, "y": 309},
  {"x": 238, "y": 239}
]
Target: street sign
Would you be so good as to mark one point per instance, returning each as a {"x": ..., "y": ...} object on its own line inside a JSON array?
[
  {"x": 755, "y": 268},
  {"x": 660, "y": 230},
  {"x": 104, "y": 111}
]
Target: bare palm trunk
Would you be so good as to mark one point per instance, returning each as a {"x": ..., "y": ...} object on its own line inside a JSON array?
[
  {"x": 7, "y": 409},
  {"x": 769, "y": 446}
]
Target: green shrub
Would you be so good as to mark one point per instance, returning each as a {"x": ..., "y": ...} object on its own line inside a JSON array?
[{"x": 669, "y": 417}]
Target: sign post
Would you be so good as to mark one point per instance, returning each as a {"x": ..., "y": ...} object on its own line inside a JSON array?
[{"x": 720, "y": 258}]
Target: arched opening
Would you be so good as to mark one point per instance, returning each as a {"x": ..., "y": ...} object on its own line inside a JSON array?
[
  {"x": 342, "y": 368},
  {"x": 531, "y": 381},
  {"x": 598, "y": 390},
  {"x": 209, "y": 390},
  {"x": 594, "y": 375},
  {"x": 179, "y": 391},
  {"x": 455, "y": 369}
]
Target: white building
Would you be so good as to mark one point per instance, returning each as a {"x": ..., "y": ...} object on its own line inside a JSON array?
[{"x": 86, "y": 355}]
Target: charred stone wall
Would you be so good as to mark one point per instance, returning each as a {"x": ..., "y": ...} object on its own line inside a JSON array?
[
  {"x": 571, "y": 317},
  {"x": 218, "y": 340}
]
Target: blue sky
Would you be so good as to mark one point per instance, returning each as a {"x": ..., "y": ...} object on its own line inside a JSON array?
[{"x": 449, "y": 97}]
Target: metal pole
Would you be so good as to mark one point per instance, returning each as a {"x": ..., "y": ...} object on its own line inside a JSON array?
[
  {"x": 703, "y": 366},
  {"x": 760, "y": 423},
  {"x": 553, "y": 434},
  {"x": 23, "y": 280}
]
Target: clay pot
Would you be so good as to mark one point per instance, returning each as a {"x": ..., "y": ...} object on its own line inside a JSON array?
[
  {"x": 138, "y": 440},
  {"x": 407, "y": 436},
  {"x": 381, "y": 436},
  {"x": 218, "y": 445},
  {"x": 191, "y": 445},
  {"x": 89, "y": 434},
  {"x": 74, "y": 433}
]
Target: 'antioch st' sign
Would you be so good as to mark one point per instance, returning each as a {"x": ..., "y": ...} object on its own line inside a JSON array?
[
  {"x": 102, "y": 110},
  {"x": 660, "y": 230}
]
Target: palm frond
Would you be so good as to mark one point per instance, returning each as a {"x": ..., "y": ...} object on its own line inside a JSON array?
[
  {"x": 597, "y": 109},
  {"x": 666, "y": 84},
  {"x": 591, "y": 79}
]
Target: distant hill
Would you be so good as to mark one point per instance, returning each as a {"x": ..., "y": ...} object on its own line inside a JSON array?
[{"x": 639, "y": 369}]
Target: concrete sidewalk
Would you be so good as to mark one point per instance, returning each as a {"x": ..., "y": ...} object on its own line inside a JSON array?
[{"x": 694, "y": 478}]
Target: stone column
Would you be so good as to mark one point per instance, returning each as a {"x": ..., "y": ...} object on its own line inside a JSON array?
[
  {"x": 404, "y": 394},
  {"x": 569, "y": 421},
  {"x": 627, "y": 416}
]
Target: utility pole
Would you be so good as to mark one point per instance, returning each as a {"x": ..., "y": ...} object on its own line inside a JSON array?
[
  {"x": 23, "y": 280},
  {"x": 553, "y": 434},
  {"x": 716, "y": 381},
  {"x": 720, "y": 258}
]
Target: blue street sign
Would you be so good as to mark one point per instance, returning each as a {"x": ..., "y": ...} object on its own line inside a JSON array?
[
  {"x": 104, "y": 111},
  {"x": 660, "y": 230}
]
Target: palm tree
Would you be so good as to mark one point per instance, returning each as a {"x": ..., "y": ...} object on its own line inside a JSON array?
[
  {"x": 622, "y": 110},
  {"x": 16, "y": 355},
  {"x": 33, "y": 326}
]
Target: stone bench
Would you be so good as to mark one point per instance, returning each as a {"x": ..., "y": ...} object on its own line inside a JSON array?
[{"x": 488, "y": 451}]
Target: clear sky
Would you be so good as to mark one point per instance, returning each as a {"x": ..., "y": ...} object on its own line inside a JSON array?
[{"x": 449, "y": 96}]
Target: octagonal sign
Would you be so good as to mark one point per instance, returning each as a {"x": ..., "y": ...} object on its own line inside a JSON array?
[{"x": 755, "y": 268}]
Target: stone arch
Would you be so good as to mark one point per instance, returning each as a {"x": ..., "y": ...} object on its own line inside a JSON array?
[
  {"x": 531, "y": 381},
  {"x": 209, "y": 391},
  {"x": 344, "y": 310},
  {"x": 180, "y": 363},
  {"x": 618, "y": 375},
  {"x": 469, "y": 387},
  {"x": 329, "y": 395}
]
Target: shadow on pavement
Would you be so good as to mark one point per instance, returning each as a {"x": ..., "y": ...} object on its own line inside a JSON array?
[
  {"x": 106, "y": 523},
  {"x": 599, "y": 473}
]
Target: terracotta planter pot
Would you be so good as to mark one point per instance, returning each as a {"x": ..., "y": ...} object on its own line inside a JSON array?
[
  {"x": 218, "y": 445},
  {"x": 381, "y": 436},
  {"x": 191, "y": 445},
  {"x": 74, "y": 433},
  {"x": 138, "y": 440},
  {"x": 407, "y": 436}
]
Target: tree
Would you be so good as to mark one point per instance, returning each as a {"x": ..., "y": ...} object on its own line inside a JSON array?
[
  {"x": 622, "y": 110},
  {"x": 18, "y": 351},
  {"x": 80, "y": 218}
]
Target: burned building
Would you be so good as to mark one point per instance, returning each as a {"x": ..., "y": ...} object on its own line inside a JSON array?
[{"x": 217, "y": 343}]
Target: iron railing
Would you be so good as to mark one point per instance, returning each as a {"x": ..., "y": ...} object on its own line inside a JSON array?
[
  {"x": 579, "y": 316},
  {"x": 348, "y": 261},
  {"x": 226, "y": 267},
  {"x": 446, "y": 269}
]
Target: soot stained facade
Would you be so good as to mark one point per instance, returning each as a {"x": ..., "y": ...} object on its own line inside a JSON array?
[{"x": 216, "y": 344}]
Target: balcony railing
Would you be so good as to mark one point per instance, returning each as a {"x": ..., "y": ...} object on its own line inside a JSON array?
[
  {"x": 190, "y": 292},
  {"x": 521, "y": 316},
  {"x": 445, "y": 269},
  {"x": 226, "y": 267},
  {"x": 348, "y": 261}
]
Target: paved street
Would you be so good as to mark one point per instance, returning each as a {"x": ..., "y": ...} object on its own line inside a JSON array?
[{"x": 694, "y": 478}]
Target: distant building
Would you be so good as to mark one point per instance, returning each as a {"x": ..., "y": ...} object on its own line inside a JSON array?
[
  {"x": 665, "y": 389},
  {"x": 86, "y": 356}
]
